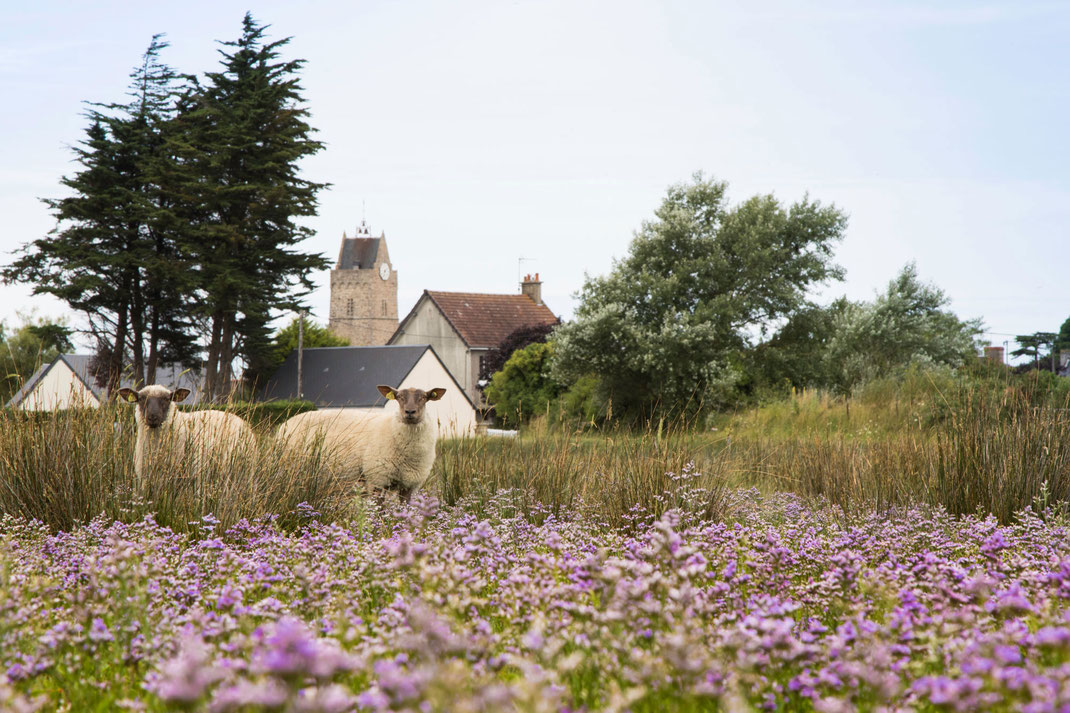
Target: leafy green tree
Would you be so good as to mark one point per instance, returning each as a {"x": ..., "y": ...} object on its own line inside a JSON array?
[
  {"x": 1033, "y": 344},
  {"x": 795, "y": 355},
  {"x": 524, "y": 386},
  {"x": 35, "y": 342},
  {"x": 240, "y": 137},
  {"x": 908, "y": 324},
  {"x": 669, "y": 324},
  {"x": 517, "y": 339},
  {"x": 285, "y": 341},
  {"x": 1062, "y": 339}
]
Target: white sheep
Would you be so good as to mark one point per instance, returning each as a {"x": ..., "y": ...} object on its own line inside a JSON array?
[
  {"x": 209, "y": 434},
  {"x": 391, "y": 450}
]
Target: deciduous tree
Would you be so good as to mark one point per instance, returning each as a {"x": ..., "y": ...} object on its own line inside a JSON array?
[
  {"x": 668, "y": 325},
  {"x": 908, "y": 324}
]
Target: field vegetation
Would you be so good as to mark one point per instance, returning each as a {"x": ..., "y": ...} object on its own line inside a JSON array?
[{"x": 908, "y": 555}]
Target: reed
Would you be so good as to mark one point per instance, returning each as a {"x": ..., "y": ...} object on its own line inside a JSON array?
[{"x": 66, "y": 467}]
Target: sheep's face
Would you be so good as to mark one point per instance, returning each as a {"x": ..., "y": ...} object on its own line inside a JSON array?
[
  {"x": 154, "y": 403},
  {"x": 411, "y": 402}
]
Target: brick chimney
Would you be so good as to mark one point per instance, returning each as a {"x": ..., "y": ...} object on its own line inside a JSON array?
[
  {"x": 532, "y": 287},
  {"x": 994, "y": 354}
]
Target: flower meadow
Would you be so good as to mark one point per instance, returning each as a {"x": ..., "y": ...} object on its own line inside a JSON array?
[{"x": 782, "y": 604}]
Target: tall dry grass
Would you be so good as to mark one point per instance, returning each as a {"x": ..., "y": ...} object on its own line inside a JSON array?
[
  {"x": 995, "y": 445},
  {"x": 950, "y": 443},
  {"x": 616, "y": 473},
  {"x": 66, "y": 467}
]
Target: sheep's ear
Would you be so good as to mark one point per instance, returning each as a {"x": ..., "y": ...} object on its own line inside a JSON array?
[
  {"x": 128, "y": 395},
  {"x": 180, "y": 395},
  {"x": 435, "y": 394},
  {"x": 387, "y": 391}
]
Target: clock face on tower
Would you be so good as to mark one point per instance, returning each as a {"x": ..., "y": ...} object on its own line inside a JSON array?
[{"x": 384, "y": 271}]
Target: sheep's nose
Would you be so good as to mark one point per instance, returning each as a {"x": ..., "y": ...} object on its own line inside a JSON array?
[{"x": 410, "y": 413}]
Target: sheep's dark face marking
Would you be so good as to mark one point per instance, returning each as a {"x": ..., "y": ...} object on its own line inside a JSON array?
[
  {"x": 411, "y": 402},
  {"x": 154, "y": 402}
]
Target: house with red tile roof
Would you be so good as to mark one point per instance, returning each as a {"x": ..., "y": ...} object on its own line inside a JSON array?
[{"x": 463, "y": 326}]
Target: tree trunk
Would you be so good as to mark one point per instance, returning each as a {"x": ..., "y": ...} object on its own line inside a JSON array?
[
  {"x": 226, "y": 355},
  {"x": 137, "y": 336},
  {"x": 211, "y": 367},
  {"x": 154, "y": 346},
  {"x": 115, "y": 362}
]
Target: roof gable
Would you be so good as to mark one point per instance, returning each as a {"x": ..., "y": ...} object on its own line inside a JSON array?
[
  {"x": 484, "y": 320},
  {"x": 173, "y": 376},
  {"x": 449, "y": 375},
  {"x": 30, "y": 384}
]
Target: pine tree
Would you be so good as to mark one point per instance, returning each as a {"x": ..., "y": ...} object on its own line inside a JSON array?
[
  {"x": 84, "y": 260},
  {"x": 243, "y": 134},
  {"x": 161, "y": 321},
  {"x": 112, "y": 256}
]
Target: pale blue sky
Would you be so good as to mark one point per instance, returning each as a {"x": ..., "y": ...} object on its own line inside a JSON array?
[{"x": 480, "y": 132}]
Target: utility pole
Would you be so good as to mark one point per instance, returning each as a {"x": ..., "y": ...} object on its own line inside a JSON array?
[{"x": 300, "y": 353}]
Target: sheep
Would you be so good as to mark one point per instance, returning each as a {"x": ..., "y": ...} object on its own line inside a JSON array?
[
  {"x": 392, "y": 450},
  {"x": 211, "y": 434}
]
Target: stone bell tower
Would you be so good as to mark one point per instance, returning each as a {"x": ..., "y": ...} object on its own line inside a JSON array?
[{"x": 364, "y": 290}]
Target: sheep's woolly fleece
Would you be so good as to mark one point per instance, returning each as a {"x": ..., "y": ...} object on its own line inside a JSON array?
[
  {"x": 209, "y": 433},
  {"x": 374, "y": 447}
]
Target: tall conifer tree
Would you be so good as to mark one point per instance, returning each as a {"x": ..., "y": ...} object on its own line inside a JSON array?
[
  {"x": 244, "y": 133},
  {"x": 113, "y": 254}
]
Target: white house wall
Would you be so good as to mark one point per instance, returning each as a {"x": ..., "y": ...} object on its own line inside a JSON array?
[
  {"x": 428, "y": 326},
  {"x": 60, "y": 388},
  {"x": 453, "y": 412}
]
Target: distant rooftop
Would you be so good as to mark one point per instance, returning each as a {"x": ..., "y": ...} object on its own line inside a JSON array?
[
  {"x": 360, "y": 251},
  {"x": 344, "y": 376},
  {"x": 484, "y": 320}
]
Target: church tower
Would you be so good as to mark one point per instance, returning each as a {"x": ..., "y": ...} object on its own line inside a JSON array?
[{"x": 364, "y": 290}]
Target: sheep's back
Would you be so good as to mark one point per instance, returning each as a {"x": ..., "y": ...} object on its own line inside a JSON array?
[
  {"x": 341, "y": 437},
  {"x": 218, "y": 431}
]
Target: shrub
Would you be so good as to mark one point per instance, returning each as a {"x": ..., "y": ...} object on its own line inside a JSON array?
[
  {"x": 523, "y": 387},
  {"x": 263, "y": 414}
]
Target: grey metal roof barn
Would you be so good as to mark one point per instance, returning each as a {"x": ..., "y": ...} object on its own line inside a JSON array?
[{"x": 347, "y": 377}]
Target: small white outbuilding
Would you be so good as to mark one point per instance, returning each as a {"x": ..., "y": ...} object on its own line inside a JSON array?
[
  {"x": 68, "y": 382},
  {"x": 346, "y": 377}
]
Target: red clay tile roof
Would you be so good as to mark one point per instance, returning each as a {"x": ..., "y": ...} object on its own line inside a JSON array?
[{"x": 485, "y": 320}]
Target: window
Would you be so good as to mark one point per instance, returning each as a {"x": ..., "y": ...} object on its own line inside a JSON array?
[
  {"x": 349, "y": 307},
  {"x": 384, "y": 308}
]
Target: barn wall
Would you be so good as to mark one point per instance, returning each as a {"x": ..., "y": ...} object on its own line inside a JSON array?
[
  {"x": 58, "y": 389},
  {"x": 428, "y": 326},
  {"x": 454, "y": 413}
]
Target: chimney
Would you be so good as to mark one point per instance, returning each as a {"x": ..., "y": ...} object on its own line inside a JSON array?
[{"x": 532, "y": 287}]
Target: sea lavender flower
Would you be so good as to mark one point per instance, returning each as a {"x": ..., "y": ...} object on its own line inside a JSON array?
[
  {"x": 266, "y": 692},
  {"x": 186, "y": 677},
  {"x": 292, "y": 650},
  {"x": 98, "y": 631}
]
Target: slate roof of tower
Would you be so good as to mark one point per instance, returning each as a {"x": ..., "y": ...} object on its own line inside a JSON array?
[{"x": 358, "y": 253}]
